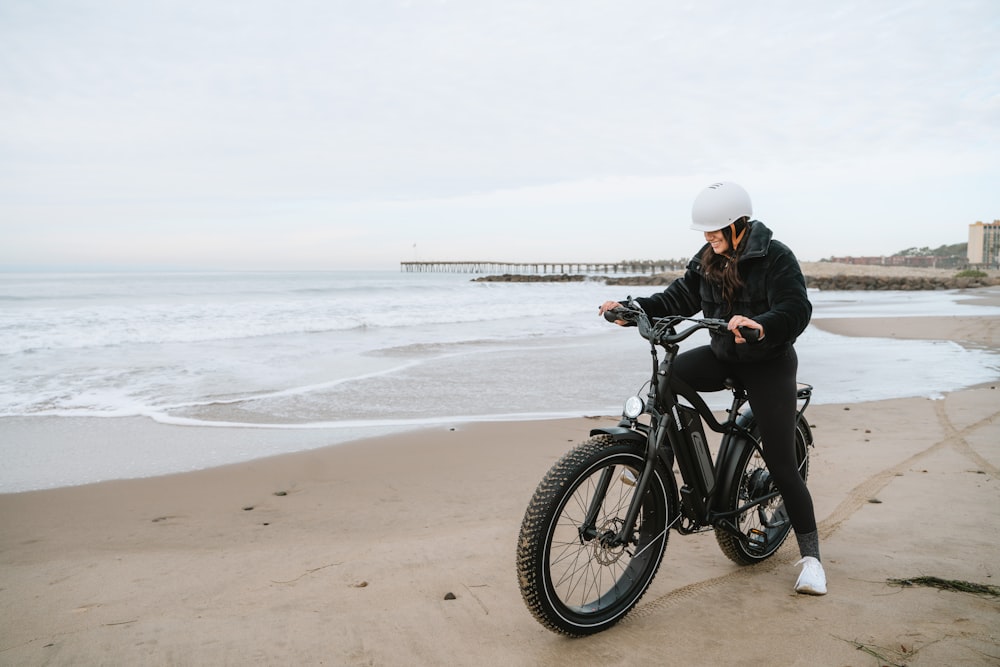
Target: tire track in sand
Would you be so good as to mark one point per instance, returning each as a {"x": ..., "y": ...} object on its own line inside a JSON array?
[
  {"x": 856, "y": 498},
  {"x": 859, "y": 495},
  {"x": 962, "y": 445}
]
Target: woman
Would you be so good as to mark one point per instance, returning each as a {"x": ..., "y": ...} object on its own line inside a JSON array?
[{"x": 743, "y": 275}]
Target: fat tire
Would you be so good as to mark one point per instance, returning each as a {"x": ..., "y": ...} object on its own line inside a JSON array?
[
  {"x": 750, "y": 466},
  {"x": 572, "y": 585}
]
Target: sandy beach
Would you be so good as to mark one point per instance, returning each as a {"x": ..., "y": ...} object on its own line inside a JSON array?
[{"x": 345, "y": 555}]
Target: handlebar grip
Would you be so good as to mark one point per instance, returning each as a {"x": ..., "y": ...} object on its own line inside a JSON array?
[
  {"x": 618, "y": 314},
  {"x": 751, "y": 335}
]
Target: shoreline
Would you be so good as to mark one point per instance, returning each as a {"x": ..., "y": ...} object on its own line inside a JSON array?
[
  {"x": 150, "y": 447},
  {"x": 981, "y": 331},
  {"x": 344, "y": 554},
  {"x": 156, "y": 448}
]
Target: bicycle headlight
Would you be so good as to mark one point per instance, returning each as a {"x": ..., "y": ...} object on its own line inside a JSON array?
[{"x": 633, "y": 407}]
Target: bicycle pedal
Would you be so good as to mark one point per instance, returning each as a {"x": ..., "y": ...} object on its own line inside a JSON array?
[
  {"x": 758, "y": 538},
  {"x": 628, "y": 478}
]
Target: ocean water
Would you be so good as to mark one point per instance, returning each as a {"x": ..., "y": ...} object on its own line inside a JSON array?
[{"x": 303, "y": 359}]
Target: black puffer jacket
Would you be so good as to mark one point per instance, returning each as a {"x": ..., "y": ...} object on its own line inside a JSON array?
[{"x": 773, "y": 294}]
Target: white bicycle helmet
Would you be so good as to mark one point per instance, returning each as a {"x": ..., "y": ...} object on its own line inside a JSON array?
[{"x": 718, "y": 206}]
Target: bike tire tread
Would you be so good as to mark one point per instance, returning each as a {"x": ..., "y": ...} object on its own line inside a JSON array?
[{"x": 533, "y": 532}]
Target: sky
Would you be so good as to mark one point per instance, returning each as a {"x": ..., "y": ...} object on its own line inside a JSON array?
[{"x": 339, "y": 134}]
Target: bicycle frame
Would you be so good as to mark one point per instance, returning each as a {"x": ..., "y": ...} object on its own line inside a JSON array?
[{"x": 675, "y": 429}]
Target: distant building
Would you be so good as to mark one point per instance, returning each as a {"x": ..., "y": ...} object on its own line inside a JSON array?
[{"x": 984, "y": 244}]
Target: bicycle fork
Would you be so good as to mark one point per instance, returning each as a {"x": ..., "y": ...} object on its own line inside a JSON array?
[{"x": 654, "y": 441}]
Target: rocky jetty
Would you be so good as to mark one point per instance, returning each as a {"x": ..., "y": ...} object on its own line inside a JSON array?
[
  {"x": 849, "y": 282},
  {"x": 536, "y": 278},
  {"x": 905, "y": 283}
]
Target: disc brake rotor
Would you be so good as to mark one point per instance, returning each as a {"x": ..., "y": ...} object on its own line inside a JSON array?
[{"x": 604, "y": 552}]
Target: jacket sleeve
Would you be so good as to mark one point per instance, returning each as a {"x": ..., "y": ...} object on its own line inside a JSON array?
[
  {"x": 790, "y": 310},
  {"x": 682, "y": 296}
]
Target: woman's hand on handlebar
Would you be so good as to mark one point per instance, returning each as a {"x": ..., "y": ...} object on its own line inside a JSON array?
[
  {"x": 739, "y": 326},
  {"x": 611, "y": 305}
]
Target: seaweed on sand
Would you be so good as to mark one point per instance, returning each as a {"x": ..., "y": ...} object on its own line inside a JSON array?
[{"x": 947, "y": 585}]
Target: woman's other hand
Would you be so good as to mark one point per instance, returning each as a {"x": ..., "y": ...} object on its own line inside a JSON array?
[
  {"x": 738, "y": 321},
  {"x": 611, "y": 305}
]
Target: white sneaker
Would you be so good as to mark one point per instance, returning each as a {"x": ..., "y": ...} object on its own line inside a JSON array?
[{"x": 812, "y": 579}]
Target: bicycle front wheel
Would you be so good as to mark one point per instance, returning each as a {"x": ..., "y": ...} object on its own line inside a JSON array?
[{"x": 574, "y": 579}]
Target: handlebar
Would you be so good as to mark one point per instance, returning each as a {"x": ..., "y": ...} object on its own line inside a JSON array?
[
  {"x": 661, "y": 330},
  {"x": 751, "y": 335},
  {"x": 620, "y": 314}
]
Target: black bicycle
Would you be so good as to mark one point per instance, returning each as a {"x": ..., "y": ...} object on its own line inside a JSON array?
[{"x": 595, "y": 531}]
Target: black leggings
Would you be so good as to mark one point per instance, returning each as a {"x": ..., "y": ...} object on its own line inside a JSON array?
[{"x": 771, "y": 388}]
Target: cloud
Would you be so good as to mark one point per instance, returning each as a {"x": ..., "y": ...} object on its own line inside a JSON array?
[{"x": 404, "y": 115}]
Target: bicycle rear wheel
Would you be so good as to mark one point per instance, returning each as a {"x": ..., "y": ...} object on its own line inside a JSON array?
[
  {"x": 764, "y": 527},
  {"x": 572, "y": 578}
]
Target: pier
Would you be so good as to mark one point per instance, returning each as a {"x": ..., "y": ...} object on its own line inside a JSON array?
[{"x": 541, "y": 268}]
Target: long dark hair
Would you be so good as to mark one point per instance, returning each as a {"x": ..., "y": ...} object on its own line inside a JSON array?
[{"x": 722, "y": 269}]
